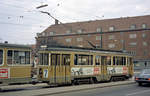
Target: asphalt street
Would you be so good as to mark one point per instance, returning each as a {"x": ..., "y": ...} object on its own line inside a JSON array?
[{"x": 122, "y": 90}]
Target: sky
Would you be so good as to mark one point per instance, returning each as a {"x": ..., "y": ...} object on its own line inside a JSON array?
[{"x": 20, "y": 20}]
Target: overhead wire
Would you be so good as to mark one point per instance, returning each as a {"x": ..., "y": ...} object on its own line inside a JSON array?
[
  {"x": 21, "y": 24},
  {"x": 10, "y": 16}
]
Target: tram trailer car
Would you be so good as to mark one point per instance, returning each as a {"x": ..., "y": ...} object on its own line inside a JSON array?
[
  {"x": 15, "y": 64},
  {"x": 74, "y": 65}
]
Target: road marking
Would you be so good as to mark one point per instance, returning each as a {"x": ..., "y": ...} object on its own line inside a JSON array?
[{"x": 137, "y": 93}]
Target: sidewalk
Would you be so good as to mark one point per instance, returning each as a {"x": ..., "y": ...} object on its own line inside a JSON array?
[{"x": 59, "y": 90}]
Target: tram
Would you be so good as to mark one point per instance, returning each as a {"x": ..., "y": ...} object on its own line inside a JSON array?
[
  {"x": 15, "y": 63},
  {"x": 70, "y": 65}
]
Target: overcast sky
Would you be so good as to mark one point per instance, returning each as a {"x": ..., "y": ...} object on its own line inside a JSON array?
[{"x": 20, "y": 20}]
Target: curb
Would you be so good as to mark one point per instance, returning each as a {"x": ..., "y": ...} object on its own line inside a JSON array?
[{"x": 82, "y": 89}]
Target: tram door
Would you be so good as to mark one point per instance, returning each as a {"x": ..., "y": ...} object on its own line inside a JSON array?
[
  {"x": 55, "y": 69},
  {"x": 130, "y": 64},
  {"x": 65, "y": 69},
  {"x": 104, "y": 66}
]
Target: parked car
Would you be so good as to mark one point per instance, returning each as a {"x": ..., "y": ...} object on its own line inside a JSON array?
[{"x": 143, "y": 77}]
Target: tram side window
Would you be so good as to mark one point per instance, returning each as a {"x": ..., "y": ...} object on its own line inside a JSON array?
[
  {"x": 119, "y": 60},
  {"x": 44, "y": 59},
  {"x": 97, "y": 60},
  {"x": 106, "y": 60},
  {"x": 1, "y": 57},
  {"x": 83, "y": 59},
  {"x": 18, "y": 57},
  {"x": 9, "y": 57},
  {"x": 65, "y": 59},
  {"x": 27, "y": 56}
]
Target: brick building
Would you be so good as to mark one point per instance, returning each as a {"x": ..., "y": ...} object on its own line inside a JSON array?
[{"x": 129, "y": 34}]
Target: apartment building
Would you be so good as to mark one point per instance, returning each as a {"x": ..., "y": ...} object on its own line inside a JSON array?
[{"x": 129, "y": 34}]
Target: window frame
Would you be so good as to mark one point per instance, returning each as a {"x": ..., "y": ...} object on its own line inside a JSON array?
[
  {"x": 132, "y": 36},
  {"x": 112, "y": 28},
  {"x": 20, "y": 64},
  {"x": 119, "y": 61},
  {"x": 144, "y": 26},
  {"x": 76, "y": 60},
  {"x": 133, "y": 27},
  {"x": 98, "y": 29},
  {"x": 111, "y": 45},
  {"x": 68, "y": 40},
  {"x": 99, "y": 37},
  {"x": 79, "y": 39}
]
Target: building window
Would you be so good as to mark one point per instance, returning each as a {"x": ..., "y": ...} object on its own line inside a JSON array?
[
  {"x": 68, "y": 31},
  {"x": 133, "y": 43},
  {"x": 145, "y": 52},
  {"x": 97, "y": 45},
  {"x": 43, "y": 34},
  {"x": 39, "y": 34},
  {"x": 98, "y": 37},
  {"x": 132, "y": 36},
  {"x": 79, "y": 31},
  {"x": 144, "y": 43},
  {"x": 89, "y": 35},
  {"x": 79, "y": 39},
  {"x": 99, "y": 29},
  {"x": 111, "y": 37},
  {"x": 80, "y": 45},
  {"x": 133, "y": 26},
  {"x": 1, "y": 57},
  {"x": 133, "y": 53},
  {"x": 111, "y": 45},
  {"x": 143, "y": 35},
  {"x": 68, "y": 40},
  {"x": 51, "y": 33},
  {"x": 112, "y": 28},
  {"x": 144, "y": 26}
]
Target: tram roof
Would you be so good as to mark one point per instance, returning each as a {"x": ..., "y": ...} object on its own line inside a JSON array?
[
  {"x": 6, "y": 45},
  {"x": 81, "y": 49}
]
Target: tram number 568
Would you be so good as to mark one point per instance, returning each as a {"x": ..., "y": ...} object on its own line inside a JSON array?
[{"x": 45, "y": 73}]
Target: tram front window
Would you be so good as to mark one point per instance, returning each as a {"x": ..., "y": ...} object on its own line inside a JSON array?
[{"x": 1, "y": 57}]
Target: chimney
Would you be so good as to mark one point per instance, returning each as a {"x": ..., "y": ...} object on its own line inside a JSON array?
[{"x": 56, "y": 22}]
